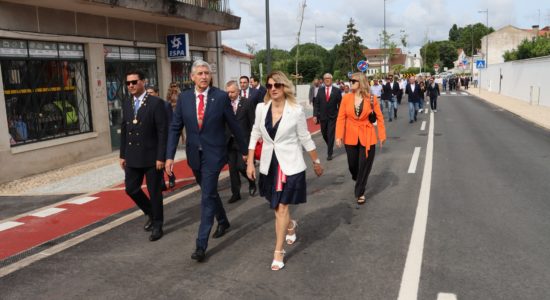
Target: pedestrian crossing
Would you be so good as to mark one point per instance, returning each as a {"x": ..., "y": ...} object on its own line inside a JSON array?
[{"x": 454, "y": 94}]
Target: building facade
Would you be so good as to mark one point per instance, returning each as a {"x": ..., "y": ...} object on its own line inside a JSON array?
[
  {"x": 381, "y": 62},
  {"x": 236, "y": 64},
  {"x": 506, "y": 39},
  {"x": 63, "y": 65}
]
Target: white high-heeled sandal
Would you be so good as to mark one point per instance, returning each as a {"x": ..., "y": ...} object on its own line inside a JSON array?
[
  {"x": 277, "y": 265},
  {"x": 291, "y": 238}
]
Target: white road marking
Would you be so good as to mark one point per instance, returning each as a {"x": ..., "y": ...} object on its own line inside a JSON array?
[
  {"x": 425, "y": 111},
  {"x": 414, "y": 160},
  {"x": 82, "y": 200},
  {"x": 413, "y": 265},
  {"x": 47, "y": 212},
  {"x": 453, "y": 93},
  {"x": 443, "y": 93},
  {"x": 446, "y": 296},
  {"x": 9, "y": 225},
  {"x": 464, "y": 93},
  {"x": 423, "y": 126}
]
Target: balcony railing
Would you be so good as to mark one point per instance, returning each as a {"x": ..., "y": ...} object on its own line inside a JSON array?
[{"x": 215, "y": 5}]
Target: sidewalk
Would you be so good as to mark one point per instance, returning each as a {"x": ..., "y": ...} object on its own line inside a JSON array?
[{"x": 537, "y": 114}]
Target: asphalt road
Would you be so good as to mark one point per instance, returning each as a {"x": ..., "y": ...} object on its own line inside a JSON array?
[{"x": 486, "y": 236}]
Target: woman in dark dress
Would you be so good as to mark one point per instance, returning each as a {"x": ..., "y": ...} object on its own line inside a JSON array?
[{"x": 281, "y": 124}]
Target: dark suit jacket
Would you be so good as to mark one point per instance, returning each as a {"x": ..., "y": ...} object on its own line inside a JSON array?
[
  {"x": 142, "y": 144},
  {"x": 415, "y": 96},
  {"x": 254, "y": 96},
  {"x": 395, "y": 88},
  {"x": 211, "y": 138},
  {"x": 246, "y": 112},
  {"x": 433, "y": 92},
  {"x": 386, "y": 91},
  {"x": 262, "y": 91},
  {"x": 323, "y": 109}
]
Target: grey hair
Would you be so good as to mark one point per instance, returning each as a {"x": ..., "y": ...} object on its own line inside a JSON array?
[
  {"x": 200, "y": 63},
  {"x": 232, "y": 83},
  {"x": 327, "y": 75}
]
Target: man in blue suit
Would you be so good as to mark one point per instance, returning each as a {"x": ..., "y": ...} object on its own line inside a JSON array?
[
  {"x": 205, "y": 111},
  {"x": 252, "y": 94}
]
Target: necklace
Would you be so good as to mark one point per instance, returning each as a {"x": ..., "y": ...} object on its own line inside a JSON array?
[{"x": 135, "y": 121}]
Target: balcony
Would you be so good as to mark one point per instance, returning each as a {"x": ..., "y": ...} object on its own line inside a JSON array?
[{"x": 204, "y": 15}]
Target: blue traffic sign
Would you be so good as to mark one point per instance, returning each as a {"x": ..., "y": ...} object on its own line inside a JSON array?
[
  {"x": 480, "y": 64},
  {"x": 362, "y": 65},
  {"x": 349, "y": 74},
  {"x": 177, "y": 46}
]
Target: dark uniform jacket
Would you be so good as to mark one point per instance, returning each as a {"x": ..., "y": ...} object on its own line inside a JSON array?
[
  {"x": 323, "y": 109},
  {"x": 246, "y": 113},
  {"x": 143, "y": 143}
]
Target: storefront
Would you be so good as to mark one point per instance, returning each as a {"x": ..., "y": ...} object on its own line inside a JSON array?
[
  {"x": 45, "y": 89},
  {"x": 118, "y": 61},
  {"x": 181, "y": 70}
]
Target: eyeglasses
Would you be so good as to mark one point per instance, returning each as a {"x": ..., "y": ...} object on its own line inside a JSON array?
[
  {"x": 276, "y": 85},
  {"x": 133, "y": 82},
  {"x": 353, "y": 81}
]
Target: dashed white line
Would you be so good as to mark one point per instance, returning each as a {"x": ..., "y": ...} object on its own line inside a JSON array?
[
  {"x": 425, "y": 111},
  {"x": 47, "y": 212},
  {"x": 453, "y": 93},
  {"x": 464, "y": 93},
  {"x": 9, "y": 225},
  {"x": 423, "y": 127},
  {"x": 414, "y": 160},
  {"x": 82, "y": 200},
  {"x": 413, "y": 264},
  {"x": 446, "y": 296}
]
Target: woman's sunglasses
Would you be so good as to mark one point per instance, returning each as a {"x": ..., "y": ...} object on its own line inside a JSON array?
[
  {"x": 276, "y": 85},
  {"x": 353, "y": 81}
]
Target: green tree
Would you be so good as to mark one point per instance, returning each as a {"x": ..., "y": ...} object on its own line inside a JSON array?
[
  {"x": 537, "y": 47},
  {"x": 454, "y": 33},
  {"x": 472, "y": 34},
  {"x": 351, "y": 43},
  {"x": 397, "y": 69},
  {"x": 279, "y": 59},
  {"x": 309, "y": 67}
]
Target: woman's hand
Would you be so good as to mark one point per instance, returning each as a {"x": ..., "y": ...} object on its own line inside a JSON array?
[
  {"x": 339, "y": 143},
  {"x": 251, "y": 171},
  {"x": 318, "y": 169}
]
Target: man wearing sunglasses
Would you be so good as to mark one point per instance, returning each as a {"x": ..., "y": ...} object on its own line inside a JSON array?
[
  {"x": 204, "y": 112},
  {"x": 143, "y": 137}
]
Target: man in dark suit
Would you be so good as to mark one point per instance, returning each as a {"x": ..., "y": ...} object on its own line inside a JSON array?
[
  {"x": 313, "y": 90},
  {"x": 143, "y": 150},
  {"x": 325, "y": 111},
  {"x": 255, "y": 83},
  {"x": 204, "y": 112},
  {"x": 415, "y": 96},
  {"x": 247, "y": 92},
  {"x": 244, "y": 110}
]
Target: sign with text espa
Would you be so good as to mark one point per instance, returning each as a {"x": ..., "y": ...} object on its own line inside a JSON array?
[{"x": 178, "y": 46}]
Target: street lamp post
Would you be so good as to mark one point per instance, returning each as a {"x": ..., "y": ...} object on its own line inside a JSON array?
[
  {"x": 486, "y": 12},
  {"x": 385, "y": 50},
  {"x": 267, "y": 38},
  {"x": 317, "y": 26}
]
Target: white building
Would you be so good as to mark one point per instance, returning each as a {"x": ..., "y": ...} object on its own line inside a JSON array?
[{"x": 235, "y": 64}]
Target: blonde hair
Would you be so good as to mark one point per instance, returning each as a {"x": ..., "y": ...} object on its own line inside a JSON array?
[
  {"x": 364, "y": 87},
  {"x": 280, "y": 77}
]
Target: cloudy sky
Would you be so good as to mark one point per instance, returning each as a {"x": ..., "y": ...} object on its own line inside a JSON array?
[{"x": 416, "y": 18}]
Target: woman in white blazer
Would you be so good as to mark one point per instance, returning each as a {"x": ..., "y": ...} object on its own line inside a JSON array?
[{"x": 281, "y": 123}]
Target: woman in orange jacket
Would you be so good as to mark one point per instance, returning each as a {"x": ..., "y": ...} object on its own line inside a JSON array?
[{"x": 357, "y": 132}]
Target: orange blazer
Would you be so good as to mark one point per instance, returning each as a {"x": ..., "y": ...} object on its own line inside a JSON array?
[{"x": 351, "y": 128}]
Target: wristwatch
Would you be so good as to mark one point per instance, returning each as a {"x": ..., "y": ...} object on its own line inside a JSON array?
[{"x": 317, "y": 161}]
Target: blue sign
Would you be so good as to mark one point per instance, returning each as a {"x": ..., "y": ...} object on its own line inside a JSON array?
[
  {"x": 480, "y": 64},
  {"x": 349, "y": 74},
  {"x": 362, "y": 65},
  {"x": 178, "y": 46},
  {"x": 465, "y": 61}
]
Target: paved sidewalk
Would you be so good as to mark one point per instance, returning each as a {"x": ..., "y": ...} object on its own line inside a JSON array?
[{"x": 537, "y": 114}]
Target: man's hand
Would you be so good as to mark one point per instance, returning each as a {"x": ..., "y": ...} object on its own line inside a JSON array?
[
  {"x": 122, "y": 163},
  {"x": 169, "y": 166},
  {"x": 245, "y": 158},
  {"x": 160, "y": 165},
  {"x": 315, "y": 120},
  {"x": 251, "y": 171}
]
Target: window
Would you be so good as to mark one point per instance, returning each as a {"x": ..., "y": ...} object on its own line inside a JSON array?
[{"x": 46, "y": 90}]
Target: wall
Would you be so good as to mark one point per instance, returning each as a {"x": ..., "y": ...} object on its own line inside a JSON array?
[
  {"x": 235, "y": 67},
  {"x": 500, "y": 41},
  {"x": 526, "y": 80}
]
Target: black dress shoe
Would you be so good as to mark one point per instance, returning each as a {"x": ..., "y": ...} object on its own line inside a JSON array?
[
  {"x": 148, "y": 225},
  {"x": 252, "y": 190},
  {"x": 220, "y": 231},
  {"x": 234, "y": 199},
  {"x": 172, "y": 180},
  {"x": 156, "y": 234},
  {"x": 329, "y": 157},
  {"x": 198, "y": 255}
]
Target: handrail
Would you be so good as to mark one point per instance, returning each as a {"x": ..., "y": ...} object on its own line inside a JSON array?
[{"x": 215, "y": 5}]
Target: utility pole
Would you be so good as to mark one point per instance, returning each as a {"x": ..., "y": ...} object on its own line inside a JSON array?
[
  {"x": 267, "y": 37},
  {"x": 317, "y": 26},
  {"x": 486, "y": 12},
  {"x": 301, "y": 17},
  {"x": 385, "y": 46}
]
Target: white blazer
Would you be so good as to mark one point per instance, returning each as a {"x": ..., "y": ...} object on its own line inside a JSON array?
[{"x": 291, "y": 135}]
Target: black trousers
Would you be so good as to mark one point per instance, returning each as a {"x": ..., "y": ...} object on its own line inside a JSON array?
[
  {"x": 152, "y": 205},
  {"x": 433, "y": 102},
  {"x": 237, "y": 167},
  {"x": 360, "y": 166},
  {"x": 328, "y": 130}
]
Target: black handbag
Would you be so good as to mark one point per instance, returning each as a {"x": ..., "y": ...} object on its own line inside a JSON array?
[{"x": 372, "y": 115}]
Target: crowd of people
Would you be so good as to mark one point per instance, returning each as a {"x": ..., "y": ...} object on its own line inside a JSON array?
[{"x": 249, "y": 126}]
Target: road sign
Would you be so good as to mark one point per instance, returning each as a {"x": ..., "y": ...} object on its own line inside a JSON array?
[
  {"x": 349, "y": 74},
  {"x": 465, "y": 61},
  {"x": 362, "y": 65},
  {"x": 178, "y": 46},
  {"x": 480, "y": 64}
]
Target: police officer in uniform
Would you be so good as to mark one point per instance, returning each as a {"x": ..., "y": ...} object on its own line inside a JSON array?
[{"x": 143, "y": 150}]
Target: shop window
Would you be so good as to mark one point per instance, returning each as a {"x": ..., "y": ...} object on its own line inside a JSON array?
[{"x": 45, "y": 90}]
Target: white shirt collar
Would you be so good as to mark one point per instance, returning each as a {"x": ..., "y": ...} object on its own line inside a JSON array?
[
  {"x": 205, "y": 93},
  {"x": 140, "y": 97}
]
